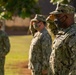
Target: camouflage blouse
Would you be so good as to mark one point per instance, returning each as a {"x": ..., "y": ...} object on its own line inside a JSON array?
[
  {"x": 40, "y": 50},
  {"x": 63, "y": 56}
]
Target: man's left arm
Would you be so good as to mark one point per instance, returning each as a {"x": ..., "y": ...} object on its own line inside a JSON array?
[
  {"x": 72, "y": 46},
  {"x": 6, "y": 44}
]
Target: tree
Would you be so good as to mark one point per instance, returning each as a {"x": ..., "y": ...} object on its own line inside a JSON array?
[{"x": 21, "y": 8}]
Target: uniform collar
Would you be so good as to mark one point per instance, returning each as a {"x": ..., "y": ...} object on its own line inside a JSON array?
[
  {"x": 63, "y": 31},
  {"x": 43, "y": 30}
]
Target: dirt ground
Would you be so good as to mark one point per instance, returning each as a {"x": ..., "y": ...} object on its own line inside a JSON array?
[
  {"x": 23, "y": 66},
  {"x": 20, "y": 68}
]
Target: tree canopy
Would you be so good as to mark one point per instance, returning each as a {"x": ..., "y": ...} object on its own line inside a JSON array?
[{"x": 22, "y": 8}]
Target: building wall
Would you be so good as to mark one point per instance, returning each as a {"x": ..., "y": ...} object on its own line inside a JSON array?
[{"x": 17, "y": 26}]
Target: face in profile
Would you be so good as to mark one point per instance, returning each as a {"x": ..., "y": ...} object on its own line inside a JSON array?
[{"x": 36, "y": 24}]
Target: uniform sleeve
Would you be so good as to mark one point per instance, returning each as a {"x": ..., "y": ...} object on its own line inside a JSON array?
[
  {"x": 72, "y": 46},
  {"x": 46, "y": 51},
  {"x": 6, "y": 44}
]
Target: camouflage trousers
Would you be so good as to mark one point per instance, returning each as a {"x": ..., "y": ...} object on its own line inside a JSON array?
[
  {"x": 2, "y": 62},
  {"x": 39, "y": 73}
]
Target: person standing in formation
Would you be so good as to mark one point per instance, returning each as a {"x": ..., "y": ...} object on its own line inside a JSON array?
[
  {"x": 40, "y": 48},
  {"x": 63, "y": 56}
]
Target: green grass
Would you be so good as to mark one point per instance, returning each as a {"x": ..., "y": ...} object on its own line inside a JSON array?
[{"x": 18, "y": 53}]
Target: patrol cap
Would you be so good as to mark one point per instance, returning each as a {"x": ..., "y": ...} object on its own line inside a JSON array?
[
  {"x": 39, "y": 18},
  {"x": 64, "y": 8}
]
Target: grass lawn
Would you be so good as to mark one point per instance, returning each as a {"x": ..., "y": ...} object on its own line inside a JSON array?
[{"x": 18, "y": 53}]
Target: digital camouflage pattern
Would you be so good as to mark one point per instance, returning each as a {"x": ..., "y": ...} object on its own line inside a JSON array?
[
  {"x": 63, "y": 56},
  {"x": 39, "y": 17},
  {"x": 32, "y": 29},
  {"x": 50, "y": 23},
  {"x": 64, "y": 8},
  {"x": 4, "y": 49},
  {"x": 39, "y": 53},
  {"x": 53, "y": 30},
  {"x": 2, "y": 62}
]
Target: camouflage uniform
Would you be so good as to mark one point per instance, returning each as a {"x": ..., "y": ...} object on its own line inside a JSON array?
[
  {"x": 63, "y": 56},
  {"x": 51, "y": 27},
  {"x": 31, "y": 28},
  {"x": 4, "y": 49},
  {"x": 50, "y": 23},
  {"x": 39, "y": 53}
]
